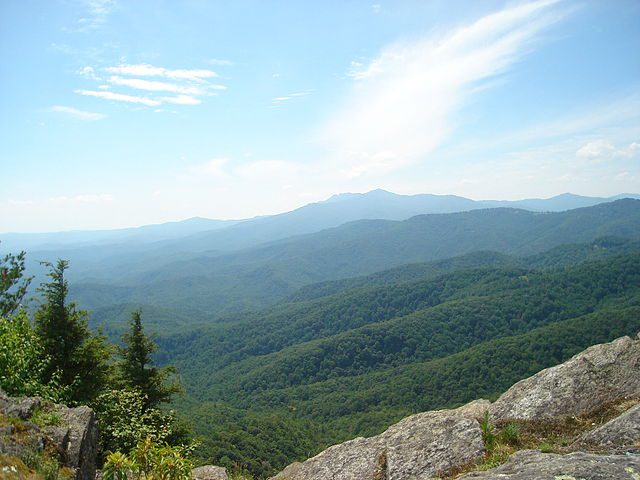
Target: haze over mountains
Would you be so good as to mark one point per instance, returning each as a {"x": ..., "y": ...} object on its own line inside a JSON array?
[
  {"x": 294, "y": 331},
  {"x": 339, "y": 209},
  {"x": 211, "y": 268}
]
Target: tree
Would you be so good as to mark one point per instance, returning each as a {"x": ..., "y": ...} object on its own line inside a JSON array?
[
  {"x": 137, "y": 370},
  {"x": 23, "y": 361},
  {"x": 13, "y": 286},
  {"x": 79, "y": 356},
  {"x": 124, "y": 421}
]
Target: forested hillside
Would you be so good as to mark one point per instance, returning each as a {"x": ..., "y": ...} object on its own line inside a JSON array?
[
  {"x": 287, "y": 347},
  {"x": 351, "y": 363},
  {"x": 261, "y": 276}
]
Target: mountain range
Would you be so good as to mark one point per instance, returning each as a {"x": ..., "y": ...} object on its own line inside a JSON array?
[
  {"x": 295, "y": 331},
  {"x": 338, "y": 209}
]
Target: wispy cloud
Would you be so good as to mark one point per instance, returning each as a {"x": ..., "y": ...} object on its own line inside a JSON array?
[
  {"x": 96, "y": 14},
  {"x": 604, "y": 149},
  {"x": 78, "y": 114},
  {"x": 181, "y": 100},
  {"x": 154, "y": 86},
  {"x": 189, "y": 86},
  {"x": 290, "y": 96},
  {"x": 119, "y": 97},
  {"x": 403, "y": 102},
  {"x": 146, "y": 70}
]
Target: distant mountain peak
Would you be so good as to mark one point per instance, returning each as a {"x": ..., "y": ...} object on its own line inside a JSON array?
[{"x": 339, "y": 197}]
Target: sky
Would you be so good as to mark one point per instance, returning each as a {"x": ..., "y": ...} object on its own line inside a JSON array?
[{"x": 119, "y": 113}]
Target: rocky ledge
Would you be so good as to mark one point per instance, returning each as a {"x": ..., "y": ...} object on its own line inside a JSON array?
[
  {"x": 595, "y": 393},
  {"x": 30, "y": 426}
]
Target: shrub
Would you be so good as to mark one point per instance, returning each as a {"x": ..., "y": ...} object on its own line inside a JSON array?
[
  {"x": 510, "y": 434},
  {"x": 488, "y": 435},
  {"x": 124, "y": 421},
  {"x": 23, "y": 361},
  {"x": 149, "y": 460}
]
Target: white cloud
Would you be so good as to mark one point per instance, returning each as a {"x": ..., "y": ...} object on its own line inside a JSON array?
[
  {"x": 596, "y": 149},
  {"x": 188, "y": 85},
  {"x": 88, "y": 72},
  {"x": 181, "y": 100},
  {"x": 146, "y": 70},
  {"x": 97, "y": 12},
  {"x": 78, "y": 114},
  {"x": 403, "y": 102},
  {"x": 290, "y": 96},
  {"x": 119, "y": 97},
  {"x": 154, "y": 86},
  {"x": 604, "y": 149}
]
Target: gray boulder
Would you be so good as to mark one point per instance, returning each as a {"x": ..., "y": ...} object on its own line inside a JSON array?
[
  {"x": 22, "y": 407},
  {"x": 74, "y": 438},
  {"x": 77, "y": 438},
  {"x": 620, "y": 433},
  {"x": 534, "y": 465},
  {"x": 419, "y": 447},
  {"x": 601, "y": 374},
  {"x": 475, "y": 409},
  {"x": 209, "y": 472}
]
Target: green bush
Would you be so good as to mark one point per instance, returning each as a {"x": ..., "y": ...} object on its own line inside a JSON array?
[
  {"x": 124, "y": 421},
  {"x": 23, "y": 361},
  {"x": 510, "y": 434},
  {"x": 149, "y": 460},
  {"x": 488, "y": 435}
]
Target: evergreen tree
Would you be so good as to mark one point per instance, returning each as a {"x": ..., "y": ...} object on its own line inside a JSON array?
[
  {"x": 79, "y": 357},
  {"x": 13, "y": 286},
  {"x": 137, "y": 368}
]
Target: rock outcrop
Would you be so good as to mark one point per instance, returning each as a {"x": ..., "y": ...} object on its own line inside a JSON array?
[
  {"x": 74, "y": 434},
  {"x": 209, "y": 472},
  {"x": 621, "y": 433},
  {"x": 534, "y": 465},
  {"x": 419, "y": 447},
  {"x": 600, "y": 375},
  {"x": 429, "y": 444}
]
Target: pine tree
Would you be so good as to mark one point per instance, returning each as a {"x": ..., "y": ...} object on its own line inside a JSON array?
[
  {"x": 137, "y": 368},
  {"x": 78, "y": 357},
  {"x": 13, "y": 286}
]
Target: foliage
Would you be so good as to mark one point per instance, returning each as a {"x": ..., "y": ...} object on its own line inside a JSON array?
[
  {"x": 72, "y": 349},
  {"x": 474, "y": 334},
  {"x": 30, "y": 460},
  {"x": 149, "y": 460},
  {"x": 13, "y": 285},
  {"x": 137, "y": 370},
  {"x": 125, "y": 420},
  {"x": 44, "y": 418},
  {"x": 488, "y": 435},
  {"x": 46, "y": 466},
  {"x": 370, "y": 330},
  {"x": 117, "y": 467},
  {"x": 23, "y": 361},
  {"x": 510, "y": 434},
  {"x": 260, "y": 443}
]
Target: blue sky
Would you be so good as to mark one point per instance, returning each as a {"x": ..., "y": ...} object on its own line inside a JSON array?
[{"x": 119, "y": 113}]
